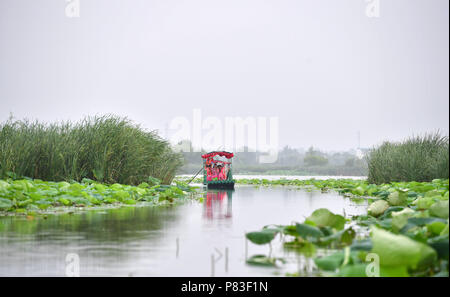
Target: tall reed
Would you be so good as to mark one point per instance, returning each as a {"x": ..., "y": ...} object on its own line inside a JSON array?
[
  {"x": 419, "y": 158},
  {"x": 104, "y": 148}
]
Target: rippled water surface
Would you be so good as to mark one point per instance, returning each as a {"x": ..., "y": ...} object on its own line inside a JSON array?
[{"x": 193, "y": 239}]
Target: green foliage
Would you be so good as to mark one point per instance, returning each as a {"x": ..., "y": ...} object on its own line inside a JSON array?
[
  {"x": 262, "y": 237},
  {"x": 330, "y": 262},
  {"x": 312, "y": 160},
  {"x": 400, "y": 250},
  {"x": 324, "y": 218},
  {"x": 28, "y": 195},
  {"x": 397, "y": 198},
  {"x": 106, "y": 149},
  {"x": 306, "y": 231},
  {"x": 421, "y": 158},
  {"x": 377, "y": 208},
  {"x": 408, "y": 224},
  {"x": 440, "y": 209},
  {"x": 315, "y": 158},
  {"x": 262, "y": 260}
]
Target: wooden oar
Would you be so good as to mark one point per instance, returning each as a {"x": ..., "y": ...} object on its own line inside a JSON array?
[{"x": 195, "y": 175}]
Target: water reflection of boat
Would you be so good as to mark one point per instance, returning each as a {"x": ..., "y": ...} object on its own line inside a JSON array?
[{"x": 218, "y": 205}]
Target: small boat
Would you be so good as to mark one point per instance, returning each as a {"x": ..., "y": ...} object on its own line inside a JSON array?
[{"x": 217, "y": 170}]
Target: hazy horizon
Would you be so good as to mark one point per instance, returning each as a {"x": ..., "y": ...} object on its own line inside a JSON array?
[{"x": 324, "y": 68}]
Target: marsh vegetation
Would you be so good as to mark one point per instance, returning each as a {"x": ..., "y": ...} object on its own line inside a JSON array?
[
  {"x": 107, "y": 149},
  {"x": 419, "y": 158}
]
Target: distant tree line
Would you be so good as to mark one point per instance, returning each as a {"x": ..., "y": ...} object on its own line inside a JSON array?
[{"x": 290, "y": 161}]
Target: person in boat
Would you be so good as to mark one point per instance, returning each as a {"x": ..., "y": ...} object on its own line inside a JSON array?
[
  {"x": 208, "y": 172},
  {"x": 221, "y": 172},
  {"x": 211, "y": 172},
  {"x": 215, "y": 173}
]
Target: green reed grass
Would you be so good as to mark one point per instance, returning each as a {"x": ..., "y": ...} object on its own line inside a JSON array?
[
  {"x": 104, "y": 148},
  {"x": 419, "y": 158}
]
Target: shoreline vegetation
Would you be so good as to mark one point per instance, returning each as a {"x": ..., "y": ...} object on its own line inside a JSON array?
[
  {"x": 107, "y": 149},
  {"x": 420, "y": 158},
  {"x": 98, "y": 161},
  {"x": 33, "y": 197}
]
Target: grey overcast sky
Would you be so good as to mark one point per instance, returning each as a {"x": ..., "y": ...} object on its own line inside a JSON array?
[{"x": 323, "y": 67}]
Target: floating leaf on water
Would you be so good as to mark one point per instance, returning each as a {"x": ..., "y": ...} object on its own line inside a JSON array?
[
  {"x": 358, "y": 191},
  {"x": 262, "y": 260}
]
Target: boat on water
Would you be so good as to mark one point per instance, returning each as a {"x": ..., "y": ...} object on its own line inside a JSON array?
[{"x": 217, "y": 170}]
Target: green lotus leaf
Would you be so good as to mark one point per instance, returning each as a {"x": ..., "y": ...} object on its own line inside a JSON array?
[
  {"x": 424, "y": 202},
  {"x": 262, "y": 237},
  {"x": 324, "y": 218},
  {"x": 440, "y": 209},
  {"x": 400, "y": 218},
  {"x": 377, "y": 208},
  {"x": 331, "y": 262},
  {"x": 262, "y": 260},
  {"x": 400, "y": 250},
  {"x": 397, "y": 198},
  {"x": 436, "y": 228},
  {"x": 307, "y": 231}
]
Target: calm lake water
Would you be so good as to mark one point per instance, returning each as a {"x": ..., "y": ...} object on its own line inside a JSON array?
[{"x": 192, "y": 239}]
